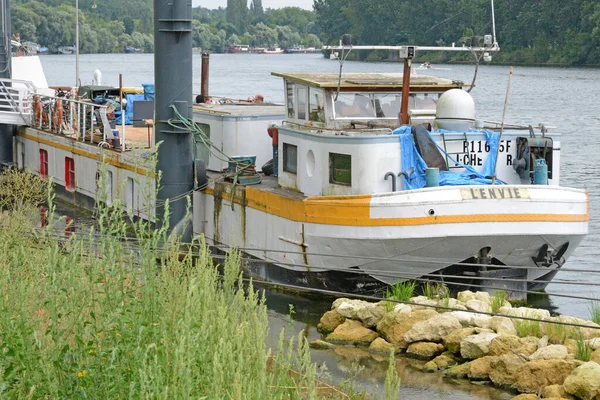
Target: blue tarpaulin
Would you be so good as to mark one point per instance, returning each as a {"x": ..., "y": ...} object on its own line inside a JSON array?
[{"x": 414, "y": 167}]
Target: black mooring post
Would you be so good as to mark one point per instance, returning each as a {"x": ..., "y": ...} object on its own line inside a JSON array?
[
  {"x": 6, "y": 131},
  {"x": 173, "y": 86}
]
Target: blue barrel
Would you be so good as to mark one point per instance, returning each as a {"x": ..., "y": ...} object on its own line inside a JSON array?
[
  {"x": 540, "y": 175},
  {"x": 432, "y": 177}
]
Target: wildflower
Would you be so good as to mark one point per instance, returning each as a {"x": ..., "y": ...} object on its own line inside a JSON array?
[
  {"x": 82, "y": 374},
  {"x": 100, "y": 334},
  {"x": 118, "y": 334},
  {"x": 92, "y": 352},
  {"x": 41, "y": 312}
]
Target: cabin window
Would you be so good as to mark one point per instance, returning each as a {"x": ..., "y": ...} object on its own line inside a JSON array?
[
  {"x": 202, "y": 149},
  {"x": 104, "y": 187},
  {"x": 340, "y": 169},
  {"x": 69, "y": 173},
  {"x": 316, "y": 105},
  {"x": 291, "y": 111},
  {"x": 424, "y": 101},
  {"x": 290, "y": 158},
  {"x": 301, "y": 95},
  {"x": 130, "y": 195},
  {"x": 43, "y": 163},
  {"x": 354, "y": 105}
]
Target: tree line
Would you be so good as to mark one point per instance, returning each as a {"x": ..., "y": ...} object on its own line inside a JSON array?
[
  {"x": 109, "y": 26},
  {"x": 529, "y": 32}
]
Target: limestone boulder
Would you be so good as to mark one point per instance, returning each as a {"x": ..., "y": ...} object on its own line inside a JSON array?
[
  {"x": 444, "y": 361},
  {"x": 433, "y": 329},
  {"x": 482, "y": 321},
  {"x": 329, "y": 321},
  {"x": 571, "y": 345},
  {"x": 503, "y": 326},
  {"x": 380, "y": 346},
  {"x": 556, "y": 391},
  {"x": 502, "y": 373},
  {"x": 551, "y": 352},
  {"x": 534, "y": 376},
  {"x": 337, "y": 302},
  {"x": 584, "y": 382},
  {"x": 402, "y": 308},
  {"x": 452, "y": 341},
  {"x": 321, "y": 345},
  {"x": 483, "y": 297},
  {"x": 367, "y": 313},
  {"x": 352, "y": 332},
  {"x": 588, "y": 333},
  {"x": 458, "y": 371},
  {"x": 508, "y": 344},
  {"x": 595, "y": 356},
  {"x": 525, "y": 396},
  {"x": 544, "y": 341},
  {"x": 465, "y": 296},
  {"x": 394, "y": 325},
  {"x": 594, "y": 343},
  {"x": 476, "y": 346},
  {"x": 479, "y": 369},
  {"x": 464, "y": 317},
  {"x": 526, "y": 312},
  {"x": 422, "y": 300},
  {"x": 430, "y": 367},
  {"x": 425, "y": 350},
  {"x": 478, "y": 305}
]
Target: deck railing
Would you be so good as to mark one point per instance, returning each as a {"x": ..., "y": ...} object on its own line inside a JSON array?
[{"x": 15, "y": 101}]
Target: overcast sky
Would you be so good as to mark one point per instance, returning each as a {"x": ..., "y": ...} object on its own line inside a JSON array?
[{"x": 306, "y": 4}]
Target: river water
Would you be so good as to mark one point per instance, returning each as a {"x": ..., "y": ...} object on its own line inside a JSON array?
[{"x": 564, "y": 98}]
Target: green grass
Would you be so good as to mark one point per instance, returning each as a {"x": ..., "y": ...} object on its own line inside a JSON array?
[
  {"x": 528, "y": 328},
  {"x": 436, "y": 290},
  {"x": 584, "y": 350},
  {"x": 594, "y": 309},
  {"x": 498, "y": 300},
  {"x": 401, "y": 291}
]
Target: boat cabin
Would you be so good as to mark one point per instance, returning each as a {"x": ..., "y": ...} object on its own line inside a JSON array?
[{"x": 324, "y": 100}]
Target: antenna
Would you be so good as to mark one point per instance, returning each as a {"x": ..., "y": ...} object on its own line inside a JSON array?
[{"x": 494, "y": 25}]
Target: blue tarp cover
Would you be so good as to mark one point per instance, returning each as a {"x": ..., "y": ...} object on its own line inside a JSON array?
[{"x": 414, "y": 167}]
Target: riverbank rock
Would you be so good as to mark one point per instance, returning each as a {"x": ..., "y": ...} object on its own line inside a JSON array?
[
  {"x": 458, "y": 371},
  {"x": 479, "y": 370},
  {"x": 595, "y": 356},
  {"x": 525, "y": 397},
  {"x": 525, "y": 312},
  {"x": 584, "y": 382},
  {"x": 588, "y": 333},
  {"x": 394, "y": 325},
  {"x": 503, "y": 326},
  {"x": 505, "y": 344},
  {"x": 367, "y": 313},
  {"x": 552, "y": 352},
  {"x": 478, "y": 305},
  {"x": 433, "y": 329},
  {"x": 465, "y": 296},
  {"x": 380, "y": 346},
  {"x": 503, "y": 369},
  {"x": 329, "y": 321},
  {"x": 594, "y": 343},
  {"x": 476, "y": 346},
  {"x": 556, "y": 391},
  {"x": 441, "y": 363},
  {"x": 353, "y": 333},
  {"x": 402, "y": 308},
  {"x": 452, "y": 341},
  {"x": 322, "y": 345},
  {"x": 534, "y": 376},
  {"x": 425, "y": 350},
  {"x": 420, "y": 301}
]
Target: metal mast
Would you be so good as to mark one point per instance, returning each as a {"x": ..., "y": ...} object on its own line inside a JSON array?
[{"x": 173, "y": 86}]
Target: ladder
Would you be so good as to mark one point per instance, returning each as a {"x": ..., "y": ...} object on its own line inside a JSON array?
[{"x": 468, "y": 152}]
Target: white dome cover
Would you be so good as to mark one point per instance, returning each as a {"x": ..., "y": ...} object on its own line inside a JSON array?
[{"x": 455, "y": 111}]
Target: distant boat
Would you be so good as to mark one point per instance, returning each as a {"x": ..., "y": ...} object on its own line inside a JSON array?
[
  {"x": 273, "y": 50},
  {"x": 238, "y": 48},
  {"x": 130, "y": 50},
  {"x": 66, "y": 50},
  {"x": 302, "y": 50}
]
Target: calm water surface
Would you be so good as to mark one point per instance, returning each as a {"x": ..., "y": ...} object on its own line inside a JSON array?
[{"x": 564, "y": 98}]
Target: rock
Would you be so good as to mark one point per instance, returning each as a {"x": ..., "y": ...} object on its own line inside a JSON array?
[
  {"x": 503, "y": 369},
  {"x": 476, "y": 346},
  {"x": 367, "y": 313},
  {"x": 433, "y": 329},
  {"x": 321, "y": 345},
  {"x": 380, "y": 346},
  {"x": 588, "y": 333},
  {"x": 425, "y": 350},
  {"x": 430, "y": 367},
  {"x": 543, "y": 342},
  {"x": 330, "y": 320},
  {"x": 571, "y": 345},
  {"x": 505, "y": 344},
  {"x": 483, "y": 297},
  {"x": 465, "y": 296},
  {"x": 394, "y": 325},
  {"x": 478, "y": 305},
  {"x": 422, "y": 300},
  {"x": 534, "y": 376},
  {"x": 584, "y": 381},
  {"x": 444, "y": 361},
  {"x": 525, "y": 397},
  {"x": 336, "y": 303},
  {"x": 503, "y": 310},
  {"x": 556, "y": 391},
  {"x": 402, "y": 308},
  {"x": 503, "y": 326},
  {"x": 352, "y": 332},
  {"x": 595, "y": 356},
  {"x": 594, "y": 343},
  {"x": 552, "y": 352},
  {"x": 465, "y": 318},
  {"x": 452, "y": 341},
  {"x": 458, "y": 371},
  {"x": 482, "y": 321},
  {"x": 479, "y": 370},
  {"x": 527, "y": 312}
]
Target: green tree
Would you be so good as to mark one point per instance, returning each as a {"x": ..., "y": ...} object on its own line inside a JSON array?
[
  {"x": 129, "y": 25},
  {"x": 237, "y": 14},
  {"x": 256, "y": 8}
]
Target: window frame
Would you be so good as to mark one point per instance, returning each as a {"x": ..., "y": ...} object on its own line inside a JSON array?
[
  {"x": 333, "y": 169},
  {"x": 70, "y": 174},
  {"x": 44, "y": 163},
  {"x": 285, "y": 148}
]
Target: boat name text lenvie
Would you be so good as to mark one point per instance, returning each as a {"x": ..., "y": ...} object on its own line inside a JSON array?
[{"x": 494, "y": 193}]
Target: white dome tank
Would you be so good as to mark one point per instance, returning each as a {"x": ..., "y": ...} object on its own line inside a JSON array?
[{"x": 455, "y": 111}]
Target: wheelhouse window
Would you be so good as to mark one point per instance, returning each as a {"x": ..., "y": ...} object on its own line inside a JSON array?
[
  {"x": 301, "y": 95},
  {"x": 290, "y": 158},
  {"x": 340, "y": 169},
  {"x": 380, "y": 105},
  {"x": 43, "y": 163},
  {"x": 316, "y": 104},
  {"x": 69, "y": 173},
  {"x": 291, "y": 110}
]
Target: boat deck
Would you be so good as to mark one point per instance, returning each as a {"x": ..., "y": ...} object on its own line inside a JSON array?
[{"x": 268, "y": 184}]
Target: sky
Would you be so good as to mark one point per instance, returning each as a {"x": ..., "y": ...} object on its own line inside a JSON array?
[{"x": 306, "y": 4}]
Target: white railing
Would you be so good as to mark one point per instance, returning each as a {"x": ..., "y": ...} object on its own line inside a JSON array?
[{"x": 15, "y": 101}]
